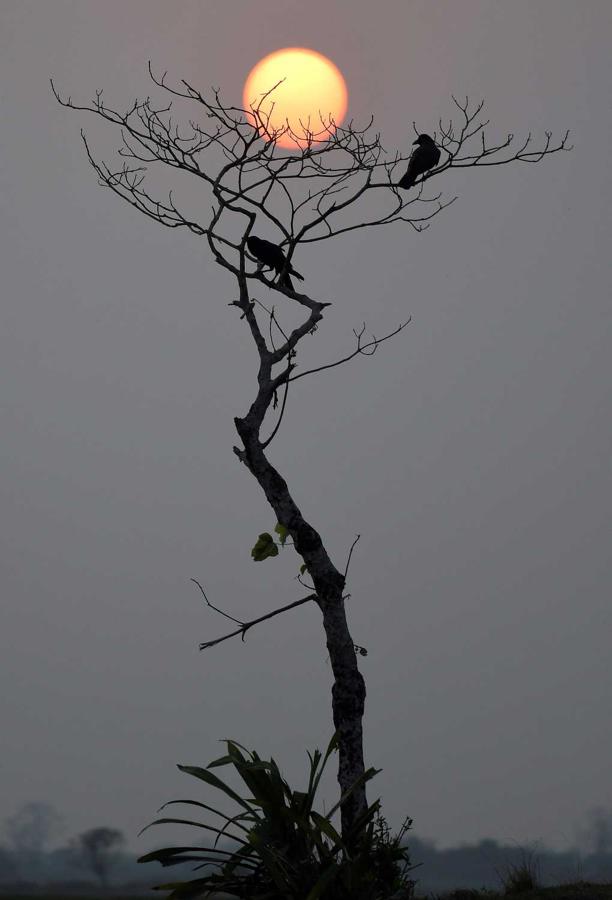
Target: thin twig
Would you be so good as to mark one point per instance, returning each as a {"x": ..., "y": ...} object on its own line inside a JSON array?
[
  {"x": 360, "y": 350},
  {"x": 246, "y": 625},
  {"x": 348, "y": 562},
  {"x": 216, "y": 608}
]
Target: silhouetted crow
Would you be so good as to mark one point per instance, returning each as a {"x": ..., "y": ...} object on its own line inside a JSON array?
[
  {"x": 425, "y": 157},
  {"x": 272, "y": 255}
]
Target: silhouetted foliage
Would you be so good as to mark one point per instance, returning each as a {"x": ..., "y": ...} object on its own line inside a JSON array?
[
  {"x": 283, "y": 849},
  {"x": 595, "y": 835},
  {"x": 30, "y": 829},
  {"x": 97, "y": 851}
]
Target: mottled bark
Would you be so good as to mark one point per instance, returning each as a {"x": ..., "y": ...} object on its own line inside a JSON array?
[{"x": 348, "y": 692}]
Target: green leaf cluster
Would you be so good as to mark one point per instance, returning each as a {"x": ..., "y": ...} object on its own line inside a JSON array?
[
  {"x": 264, "y": 547},
  {"x": 282, "y": 847}
]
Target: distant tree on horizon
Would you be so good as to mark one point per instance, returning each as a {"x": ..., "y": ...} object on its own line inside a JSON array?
[
  {"x": 595, "y": 835},
  {"x": 29, "y": 831},
  {"x": 97, "y": 850}
]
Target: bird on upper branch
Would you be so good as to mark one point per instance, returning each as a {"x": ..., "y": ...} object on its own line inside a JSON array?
[
  {"x": 425, "y": 157},
  {"x": 273, "y": 256}
]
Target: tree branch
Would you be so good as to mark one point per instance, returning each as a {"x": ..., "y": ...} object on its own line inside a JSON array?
[
  {"x": 361, "y": 349},
  {"x": 244, "y": 626}
]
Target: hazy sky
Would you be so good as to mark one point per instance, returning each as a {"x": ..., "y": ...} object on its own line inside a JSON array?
[{"x": 472, "y": 452}]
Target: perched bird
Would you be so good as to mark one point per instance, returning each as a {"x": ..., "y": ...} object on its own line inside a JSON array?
[
  {"x": 272, "y": 255},
  {"x": 425, "y": 157}
]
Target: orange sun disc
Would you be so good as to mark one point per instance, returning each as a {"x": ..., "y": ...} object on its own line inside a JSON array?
[{"x": 311, "y": 97}]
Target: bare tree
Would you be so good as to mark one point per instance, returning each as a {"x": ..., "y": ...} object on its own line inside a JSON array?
[
  {"x": 337, "y": 180},
  {"x": 595, "y": 836},
  {"x": 96, "y": 850},
  {"x": 30, "y": 829}
]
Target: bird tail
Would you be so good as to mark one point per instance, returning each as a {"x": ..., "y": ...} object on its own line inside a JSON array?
[{"x": 405, "y": 182}]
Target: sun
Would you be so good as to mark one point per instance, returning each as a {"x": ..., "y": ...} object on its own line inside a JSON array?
[{"x": 312, "y": 90}]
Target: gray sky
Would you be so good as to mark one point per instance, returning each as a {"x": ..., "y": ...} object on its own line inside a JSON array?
[{"x": 472, "y": 452}]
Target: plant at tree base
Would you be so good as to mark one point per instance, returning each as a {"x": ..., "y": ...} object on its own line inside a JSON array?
[{"x": 285, "y": 848}]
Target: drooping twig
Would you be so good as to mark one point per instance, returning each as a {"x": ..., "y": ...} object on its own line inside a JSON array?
[
  {"x": 216, "y": 608},
  {"x": 348, "y": 562}
]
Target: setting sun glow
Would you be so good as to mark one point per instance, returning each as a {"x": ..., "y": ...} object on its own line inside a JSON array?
[{"x": 312, "y": 90}]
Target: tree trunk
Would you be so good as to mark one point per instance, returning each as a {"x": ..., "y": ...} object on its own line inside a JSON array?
[{"x": 348, "y": 692}]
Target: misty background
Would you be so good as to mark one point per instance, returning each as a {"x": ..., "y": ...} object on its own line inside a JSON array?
[
  {"x": 96, "y": 860},
  {"x": 472, "y": 453}
]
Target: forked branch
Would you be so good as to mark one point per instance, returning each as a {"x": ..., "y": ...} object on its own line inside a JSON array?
[{"x": 244, "y": 626}]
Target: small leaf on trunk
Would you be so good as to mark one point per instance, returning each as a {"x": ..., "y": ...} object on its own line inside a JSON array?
[
  {"x": 282, "y": 532},
  {"x": 264, "y": 547}
]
